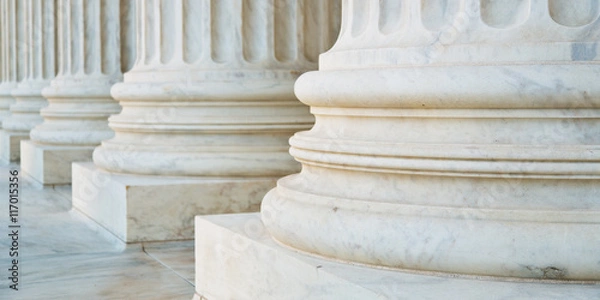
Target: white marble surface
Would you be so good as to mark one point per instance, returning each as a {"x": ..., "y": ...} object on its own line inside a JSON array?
[
  {"x": 451, "y": 136},
  {"x": 158, "y": 208},
  {"x": 237, "y": 259},
  {"x": 177, "y": 256},
  {"x": 424, "y": 33},
  {"x": 64, "y": 255}
]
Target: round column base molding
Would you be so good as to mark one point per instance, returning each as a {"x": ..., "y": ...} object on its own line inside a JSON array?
[
  {"x": 82, "y": 136},
  {"x": 435, "y": 224},
  {"x": 198, "y": 122},
  {"x": 21, "y": 122},
  {"x": 6, "y": 98},
  {"x": 29, "y": 89},
  {"x": 550, "y": 86},
  {"x": 76, "y": 119},
  {"x": 195, "y": 161}
]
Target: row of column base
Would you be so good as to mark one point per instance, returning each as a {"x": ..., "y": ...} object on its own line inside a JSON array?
[{"x": 134, "y": 208}]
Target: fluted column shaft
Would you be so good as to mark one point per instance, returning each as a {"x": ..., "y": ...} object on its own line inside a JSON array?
[
  {"x": 211, "y": 92},
  {"x": 454, "y": 136},
  {"x": 8, "y": 60},
  {"x": 35, "y": 61},
  {"x": 89, "y": 61}
]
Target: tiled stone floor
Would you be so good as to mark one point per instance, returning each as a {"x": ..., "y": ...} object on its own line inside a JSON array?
[{"x": 64, "y": 255}]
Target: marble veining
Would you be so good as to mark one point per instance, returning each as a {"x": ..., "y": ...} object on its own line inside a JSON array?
[{"x": 65, "y": 255}]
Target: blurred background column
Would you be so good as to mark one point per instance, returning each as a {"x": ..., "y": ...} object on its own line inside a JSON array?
[
  {"x": 8, "y": 60},
  {"x": 95, "y": 44},
  {"x": 35, "y": 62}
]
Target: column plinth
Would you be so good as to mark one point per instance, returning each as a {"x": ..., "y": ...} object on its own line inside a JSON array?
[
  {"x": 79, "y": 102},
  {"x": 207, "y": 109},
  {"x": 466, "y": 146}
]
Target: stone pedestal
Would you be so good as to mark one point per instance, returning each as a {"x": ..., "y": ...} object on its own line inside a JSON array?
[
  {"x": 90, "y": 38},
  {"x": 459, "y": 138},
  {"x": 10, "y": 146},
  {"x": 158, "y": 208},
  {"x": 209, "y": 101},
  {"x": 237, "y": 259},
  {"x": 50, "y": 164}
]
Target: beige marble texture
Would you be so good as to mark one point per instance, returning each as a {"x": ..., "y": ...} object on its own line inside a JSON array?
[{"x": 64, "y": 255}]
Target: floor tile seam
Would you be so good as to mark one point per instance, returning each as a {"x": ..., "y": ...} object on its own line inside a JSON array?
[{"x": 167, "y": 266}]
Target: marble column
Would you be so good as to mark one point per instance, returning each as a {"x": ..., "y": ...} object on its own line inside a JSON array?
[
  {"x": 208, "y": 109},
  {"x": 35, "y": 61},
  {"x": 8, "y": 61},
  {"x": 90, "y": 62},
  {"x": 479, "y": 155},
  {"x": 460, "y": 137}
]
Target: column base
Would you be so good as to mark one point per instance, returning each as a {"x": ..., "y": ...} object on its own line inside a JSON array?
[
  {"x": 237, "y": 259},
  {"x": 139, "y": 208},
  {"x": 49, "y": 164},
  {"x": 10, "y": 145}
]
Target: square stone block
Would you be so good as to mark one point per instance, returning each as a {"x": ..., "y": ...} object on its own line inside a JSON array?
[
  {"x": 140, "y": 208},
  {"x": 10, "y": 145},
  {"x": 47, "y": 164},
  {"x": 237, "y": 259}
]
